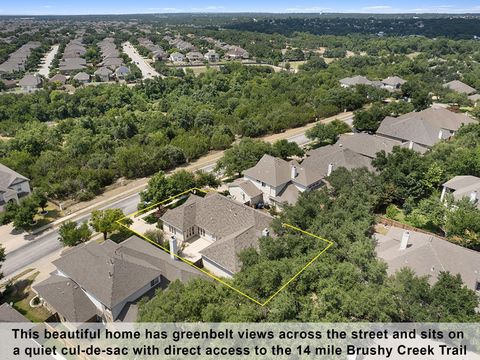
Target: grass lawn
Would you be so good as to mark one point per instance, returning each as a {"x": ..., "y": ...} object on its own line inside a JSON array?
[
  {"x": 20, "y": 295},
  {"x": 52, "y": 214}
]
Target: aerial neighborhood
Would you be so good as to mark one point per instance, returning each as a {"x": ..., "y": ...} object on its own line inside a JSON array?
[{"x": 239, "y": 169}]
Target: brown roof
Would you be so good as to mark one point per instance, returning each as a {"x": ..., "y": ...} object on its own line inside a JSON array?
[
  {"x": 460, "y": 87},
  {"x": 270, "y": 170}
]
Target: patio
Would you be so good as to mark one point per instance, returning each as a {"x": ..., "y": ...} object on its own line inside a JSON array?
[{"x": 192, "y": 248}]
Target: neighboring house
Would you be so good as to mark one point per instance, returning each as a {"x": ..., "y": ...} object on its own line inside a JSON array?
[
  {"x": 82, "y": 77},
  {"x": 112, "y": 62},
  {"x": 223, "y": 227},
  {"x": 355, "y": 80},
  {"x": 463, "y": 186},
  {"x": 428, "y": 255},
  {"x": 122, "y": 72},
  {"x": 475, "y": 98},
  {"x": 282, "y": 182},
  {"x": 10, "y": 315},
  {"x": 393, "y": 82},
  {"x": 30, "y": 82},
  {"x": 58, "y": 78},
  {"x": 212, "y": 56},
  {"x": 100, "y": 281},
  {"x": 237, "y": 53},
  {"x": 421, "y": 130},
  {"x": 245, "y": 192},
  {"x": 159, "y": 54},
  {"x": 177, "y": 57},
  {"x": 194, "y": 56},
  {"x": 13, "y": 186},
  {"x": 103, "y": 74},
  {"x": 70, "y": 65},
  {"x": 366, "y": 144},
  {"x": 460, "y": 87}
]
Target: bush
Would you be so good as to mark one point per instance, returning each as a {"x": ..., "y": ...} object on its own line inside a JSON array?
[{"x": 392, "y": 211}]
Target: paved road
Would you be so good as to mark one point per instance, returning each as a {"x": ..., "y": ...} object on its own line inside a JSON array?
[
  {"x": 47, "y": 243},
  {"x": 47, "y": 61},
  {"x": 147, "y": 70}
]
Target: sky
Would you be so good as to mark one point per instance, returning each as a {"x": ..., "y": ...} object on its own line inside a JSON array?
[{"x": 62, "y": 7}]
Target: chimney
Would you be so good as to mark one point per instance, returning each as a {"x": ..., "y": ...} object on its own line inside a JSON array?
[
  {"x": 330, "y": 169},
  {"x": 265, "y": 232},
  {"x": 405, "y": 238},
  {"x": 293, "y": 171},
  {"x": 410, "y": 145},
  {"x": 473, "y": 196},
  {"x": 440, "y": 134},
  {"x": 173, "y": 247}
]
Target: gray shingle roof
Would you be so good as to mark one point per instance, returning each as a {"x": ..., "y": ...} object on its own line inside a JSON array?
[
  {"x": 247, "y": 186},
  {"x": 67, "y": 298},
  {"x": 30, "y": 80},
  {"x": 111, "y": 272},
  {"x": 428, "y": 255},
  {"x": 355, "y": 80},
  {"x": 81, "y": 76},
  {"x": 460, "y": 87},
  {"x": 9, "y": 176},
  {"x": 463, "y": 186},
  {"x": 366, "y": 144},
  {"x": 423, "y": 127},
  {"x": 393, "y": 81},
  {"x": 270, "y": 170},
  {"x": 10, "y": 315}
]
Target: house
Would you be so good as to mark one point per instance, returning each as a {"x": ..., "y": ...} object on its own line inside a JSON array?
[
  {"x": 177, "y": 57},
  {"x": 194, "y": 56},
  {"x": 8, "y": 314},
  {"x": 122, "y": 72},
  {"x": 463, "y": 186},
  {"x": 460, "y": 87},
  {"x": 30, "y": 82},
  {"x": 366, "y": 144},
  {"x": 82, "y": 78},
  {"x": 428, "y": 255},
  {"x": 100, "y": 281},
  {"x": 245, "y": 192},
  {"x": 475, "y": 98},
  {"x": 159, "y": 54},
  {"x": 211, "y": 56},
  {"x": 355, "y": 80},
  {"x": 13, "y": 186},
  {"x": 103, "y": 74},
  {"x": 58, "y": 78},
  {"x": 421, "y": 130},
  {"x": 393, "y": 83},
  {"x": 112, "y": 62},
  {"x": 218, "y": 227},
  {"x": 70, "y": 65},
  {"x": 236, "y": 53}
]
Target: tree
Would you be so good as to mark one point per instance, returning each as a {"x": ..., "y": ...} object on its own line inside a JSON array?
[
  {"x": 2, "y": 259},
  {"x": 463, "y": 221},
  {"x": 105, "y": 221},
  {"x": 285, "y": 149},
  {"x": 40, "y": 199},
  {"x": 25, "y": 214},
  {"x": 369, "y": 120},
  {"x": 71, "y": 234},
  {"x": 325, "y": 134},
  {"x": 242, "y": 156}
]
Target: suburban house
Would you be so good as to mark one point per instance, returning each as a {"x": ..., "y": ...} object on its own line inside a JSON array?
[
  {"x": 393, "y": 82},
  {"x": 122, "y": 72},
  {"x": 194, "y": 56},
  {"x": 460, "y": 87},
  {"x": 427, "y": 255},
  {"x": 421, "y": 130},
  {"x": 30, "y": 82},
  {"x": 463, "y": 186},
  {"x": 237, "y": 53},
  {"x": 103, "y": 73},
  {"x": 101, "y": 282},
  {"x": 355, "y": 80},
  {"x": 58, "y": 78},
  {"x": 82, "y": 78},
  {"x": 211, "y": 56},
  {"x": 177, "y": 57},
  {"x": 8, "y": 314},
  {"x": 13, "y": 186},
  {"x": 70, "y": 65},
  {"x": 112, "y": 62},
  {"x": 245, "y": 192},
  {"x": 282, "y": 182},
  {"x": 366, "y": 144},
  {"x": 18, "y": 59},
  {"x": 214, "y": 229}
]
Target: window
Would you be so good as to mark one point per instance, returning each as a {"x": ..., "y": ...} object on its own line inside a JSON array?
[
  {"x": 263, "y": 184},
  {"x": 154, "y": 282}
]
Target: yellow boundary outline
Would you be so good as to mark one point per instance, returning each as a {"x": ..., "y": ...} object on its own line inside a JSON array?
[{"x": 193, "y": 190}]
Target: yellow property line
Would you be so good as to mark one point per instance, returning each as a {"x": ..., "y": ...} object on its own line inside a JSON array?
[{"x": 220, "y": 280}]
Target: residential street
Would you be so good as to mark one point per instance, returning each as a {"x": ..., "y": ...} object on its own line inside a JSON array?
[
  {"x": 47, "y": 243},
  {"x": 147, "y": 70},
  {"x": 44, "y": 69}
]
